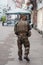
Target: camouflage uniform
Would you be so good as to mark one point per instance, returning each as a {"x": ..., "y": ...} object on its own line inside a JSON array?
[{"x": 22, "y": 30}]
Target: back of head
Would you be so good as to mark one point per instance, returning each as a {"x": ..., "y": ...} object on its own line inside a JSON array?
[{"x": 23, "y": 17}]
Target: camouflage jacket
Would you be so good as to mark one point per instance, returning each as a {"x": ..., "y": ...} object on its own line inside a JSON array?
[{"x": 22, "y": 26}]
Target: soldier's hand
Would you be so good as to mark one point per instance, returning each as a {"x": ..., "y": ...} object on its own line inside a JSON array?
[{"x": 16, "y": 33}]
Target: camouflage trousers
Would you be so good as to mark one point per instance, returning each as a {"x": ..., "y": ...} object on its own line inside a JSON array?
[{"x": 26, "y": 43}]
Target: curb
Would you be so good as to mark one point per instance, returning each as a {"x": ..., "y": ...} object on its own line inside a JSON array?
[{"x": 39, "y": 31}]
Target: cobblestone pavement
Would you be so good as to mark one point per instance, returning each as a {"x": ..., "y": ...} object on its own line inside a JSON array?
[{"x": 8, "y": 50}]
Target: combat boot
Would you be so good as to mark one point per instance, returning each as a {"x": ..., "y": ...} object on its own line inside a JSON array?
[
  {"x": 26, "y": 58},
  {"x": 20, "y": 58}
]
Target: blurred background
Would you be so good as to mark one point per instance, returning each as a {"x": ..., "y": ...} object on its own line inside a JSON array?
[{"x": 37, "y": 13}]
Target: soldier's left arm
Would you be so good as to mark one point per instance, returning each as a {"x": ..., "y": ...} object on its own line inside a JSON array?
[{"x": 15, "y": 29}]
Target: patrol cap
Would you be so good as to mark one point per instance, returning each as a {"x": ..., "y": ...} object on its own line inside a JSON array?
[{"x": 27, "y": 1}]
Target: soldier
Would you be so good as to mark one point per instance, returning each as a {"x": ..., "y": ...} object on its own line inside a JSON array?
[{"x": 22, "y": 30}]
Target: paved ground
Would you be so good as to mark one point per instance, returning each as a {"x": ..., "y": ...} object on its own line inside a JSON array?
[
  {"x": 8, "y": 50},
  {"x": 4, "y": 32}
]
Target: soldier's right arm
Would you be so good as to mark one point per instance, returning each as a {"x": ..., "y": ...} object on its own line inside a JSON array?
[
  {"x": 29, "y": 27},
  {"x": 29, "y": 30}
]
